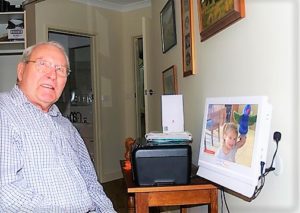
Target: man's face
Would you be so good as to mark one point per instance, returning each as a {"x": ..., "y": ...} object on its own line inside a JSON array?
[{"x": 42, "y": 89}]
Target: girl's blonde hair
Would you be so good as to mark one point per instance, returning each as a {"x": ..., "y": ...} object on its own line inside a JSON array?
[{"x": 230, "y": 126}]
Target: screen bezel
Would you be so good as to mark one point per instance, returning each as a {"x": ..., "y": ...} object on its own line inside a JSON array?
[{"x": 234, "y": 176}]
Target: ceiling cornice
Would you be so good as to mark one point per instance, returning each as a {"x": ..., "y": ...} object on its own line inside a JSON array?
[{"x": 115, "y": 6}]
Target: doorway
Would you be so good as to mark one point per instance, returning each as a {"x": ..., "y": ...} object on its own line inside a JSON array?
[
  {"x": 76, "y": 101},
  {"x": 139, "y": 87}
]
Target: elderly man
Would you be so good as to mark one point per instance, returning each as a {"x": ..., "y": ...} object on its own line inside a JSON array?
[{"x": 44, "y": 164}]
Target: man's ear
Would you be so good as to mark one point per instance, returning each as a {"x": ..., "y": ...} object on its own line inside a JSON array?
[{"x": 20, "y": 71}]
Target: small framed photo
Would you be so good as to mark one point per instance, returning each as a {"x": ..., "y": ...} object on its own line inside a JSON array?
[
  {"x": 187, "y": 37},
  {"x": 169, "y": 79},
  {"x": 215, "y": 16},
  {"x": 168, "y": 26}
]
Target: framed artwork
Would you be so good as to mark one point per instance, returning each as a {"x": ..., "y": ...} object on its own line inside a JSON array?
[
  {"x": 187, "y": 37},
  {"x": 168, "y": 26},
  {"x": 169, "y": 79},
  {"x": 216, "y": 15}
]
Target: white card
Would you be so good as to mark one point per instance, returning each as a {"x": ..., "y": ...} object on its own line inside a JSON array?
[{"x": 172, "y": 113}]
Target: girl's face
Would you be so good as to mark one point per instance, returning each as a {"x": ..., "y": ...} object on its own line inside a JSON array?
[{"x": 230, "y": 138}]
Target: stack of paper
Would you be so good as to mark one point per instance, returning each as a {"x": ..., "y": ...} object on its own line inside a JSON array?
[{"x": 169, "y": 137}]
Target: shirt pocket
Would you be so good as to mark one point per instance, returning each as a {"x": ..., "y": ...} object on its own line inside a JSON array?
[{"x": 40, "y": 149}]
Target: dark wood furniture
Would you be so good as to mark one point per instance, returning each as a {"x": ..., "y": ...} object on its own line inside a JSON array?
[{"x": 198, "y": 192}]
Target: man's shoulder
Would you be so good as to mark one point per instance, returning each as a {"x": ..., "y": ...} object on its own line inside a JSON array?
[
  {"x": 14, "y": 96},
  {"x": 3, "y": 94},
  {"x": 8, "y": 101},
  {"x": 5, "y": 98}
]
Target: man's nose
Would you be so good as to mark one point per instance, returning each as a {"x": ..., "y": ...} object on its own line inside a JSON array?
[{"x": 52, "y": 72}]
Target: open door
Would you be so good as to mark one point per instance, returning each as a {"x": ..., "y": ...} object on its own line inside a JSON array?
[
  {"x": 148, "y": 92},
  {"x": 139, "y": 87},
  {"x": 77, "y": 100},
  {"x": 152, "y": 98},
  {"x": 142, "y": 66}
]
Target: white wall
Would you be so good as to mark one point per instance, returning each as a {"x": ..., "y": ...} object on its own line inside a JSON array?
[
  {"x": 8, "y": 71},
  {"x": 132, "y": 27},
  {"x": 258, "y": 55}
]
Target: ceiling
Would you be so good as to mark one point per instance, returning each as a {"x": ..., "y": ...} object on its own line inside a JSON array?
[
  {"x": 119, "y": 5},
  {"x": 124, "y": 2}
]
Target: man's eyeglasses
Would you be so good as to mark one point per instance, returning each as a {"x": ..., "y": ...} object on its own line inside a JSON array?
[{"x": 44, "y": 66}]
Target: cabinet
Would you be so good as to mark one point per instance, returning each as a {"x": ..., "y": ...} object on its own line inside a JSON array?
[{"x": 11, "y": 46}]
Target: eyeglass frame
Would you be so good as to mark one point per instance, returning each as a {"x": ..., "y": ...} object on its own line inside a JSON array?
[{"x": 51, "y": 65}]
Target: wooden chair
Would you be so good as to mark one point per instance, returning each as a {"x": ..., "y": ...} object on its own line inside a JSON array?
[{"x": 214, "y": 122}]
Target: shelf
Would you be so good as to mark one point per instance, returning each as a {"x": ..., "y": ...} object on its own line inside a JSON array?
[
  {"x": 13, "y": 42},
  {"x": 5, "y": 16},
  {"x": 11, "y": 52},
  {"x": 11, "y": 46}
]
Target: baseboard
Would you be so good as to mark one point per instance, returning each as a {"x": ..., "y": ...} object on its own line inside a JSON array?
[{"x": 111, "y": 176}]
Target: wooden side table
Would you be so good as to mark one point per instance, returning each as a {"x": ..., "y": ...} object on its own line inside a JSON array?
[{"x": 198, "y": 192}]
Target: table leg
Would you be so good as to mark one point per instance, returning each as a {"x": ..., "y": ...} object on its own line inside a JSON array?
[
  {"x": 213, "y": 206},
  {"x": 130, "y": 203},
  {"x": 183, "y": 209},
  {"x": 141, "y": 203}
]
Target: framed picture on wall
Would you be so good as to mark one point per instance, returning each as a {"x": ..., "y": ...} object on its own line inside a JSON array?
[
  {"x": 187, "y": 37},
  {"x": 169, "y": 79},
  {"x": 215, "y": 16},
  {"x": 168, "y": 26}
]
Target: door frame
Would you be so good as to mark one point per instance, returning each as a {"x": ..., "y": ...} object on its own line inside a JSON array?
[{"x": 96, "y": 87}]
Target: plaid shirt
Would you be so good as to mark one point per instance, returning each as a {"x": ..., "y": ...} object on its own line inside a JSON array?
[{"x": 44, "y": 164}]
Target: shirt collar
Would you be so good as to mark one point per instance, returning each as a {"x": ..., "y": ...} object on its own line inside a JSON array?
[{"x": 20, "y": 99}]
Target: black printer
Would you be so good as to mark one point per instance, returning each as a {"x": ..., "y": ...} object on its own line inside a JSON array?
[{"x": 161, "y": 164}]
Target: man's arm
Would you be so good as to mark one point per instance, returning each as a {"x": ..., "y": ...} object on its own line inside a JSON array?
[
  {"x": 15, "y": 195},
  {"x": 95, "y": 189}
]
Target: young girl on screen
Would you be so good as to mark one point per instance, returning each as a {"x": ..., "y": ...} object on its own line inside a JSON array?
[{"x": 231, "y": 142}]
